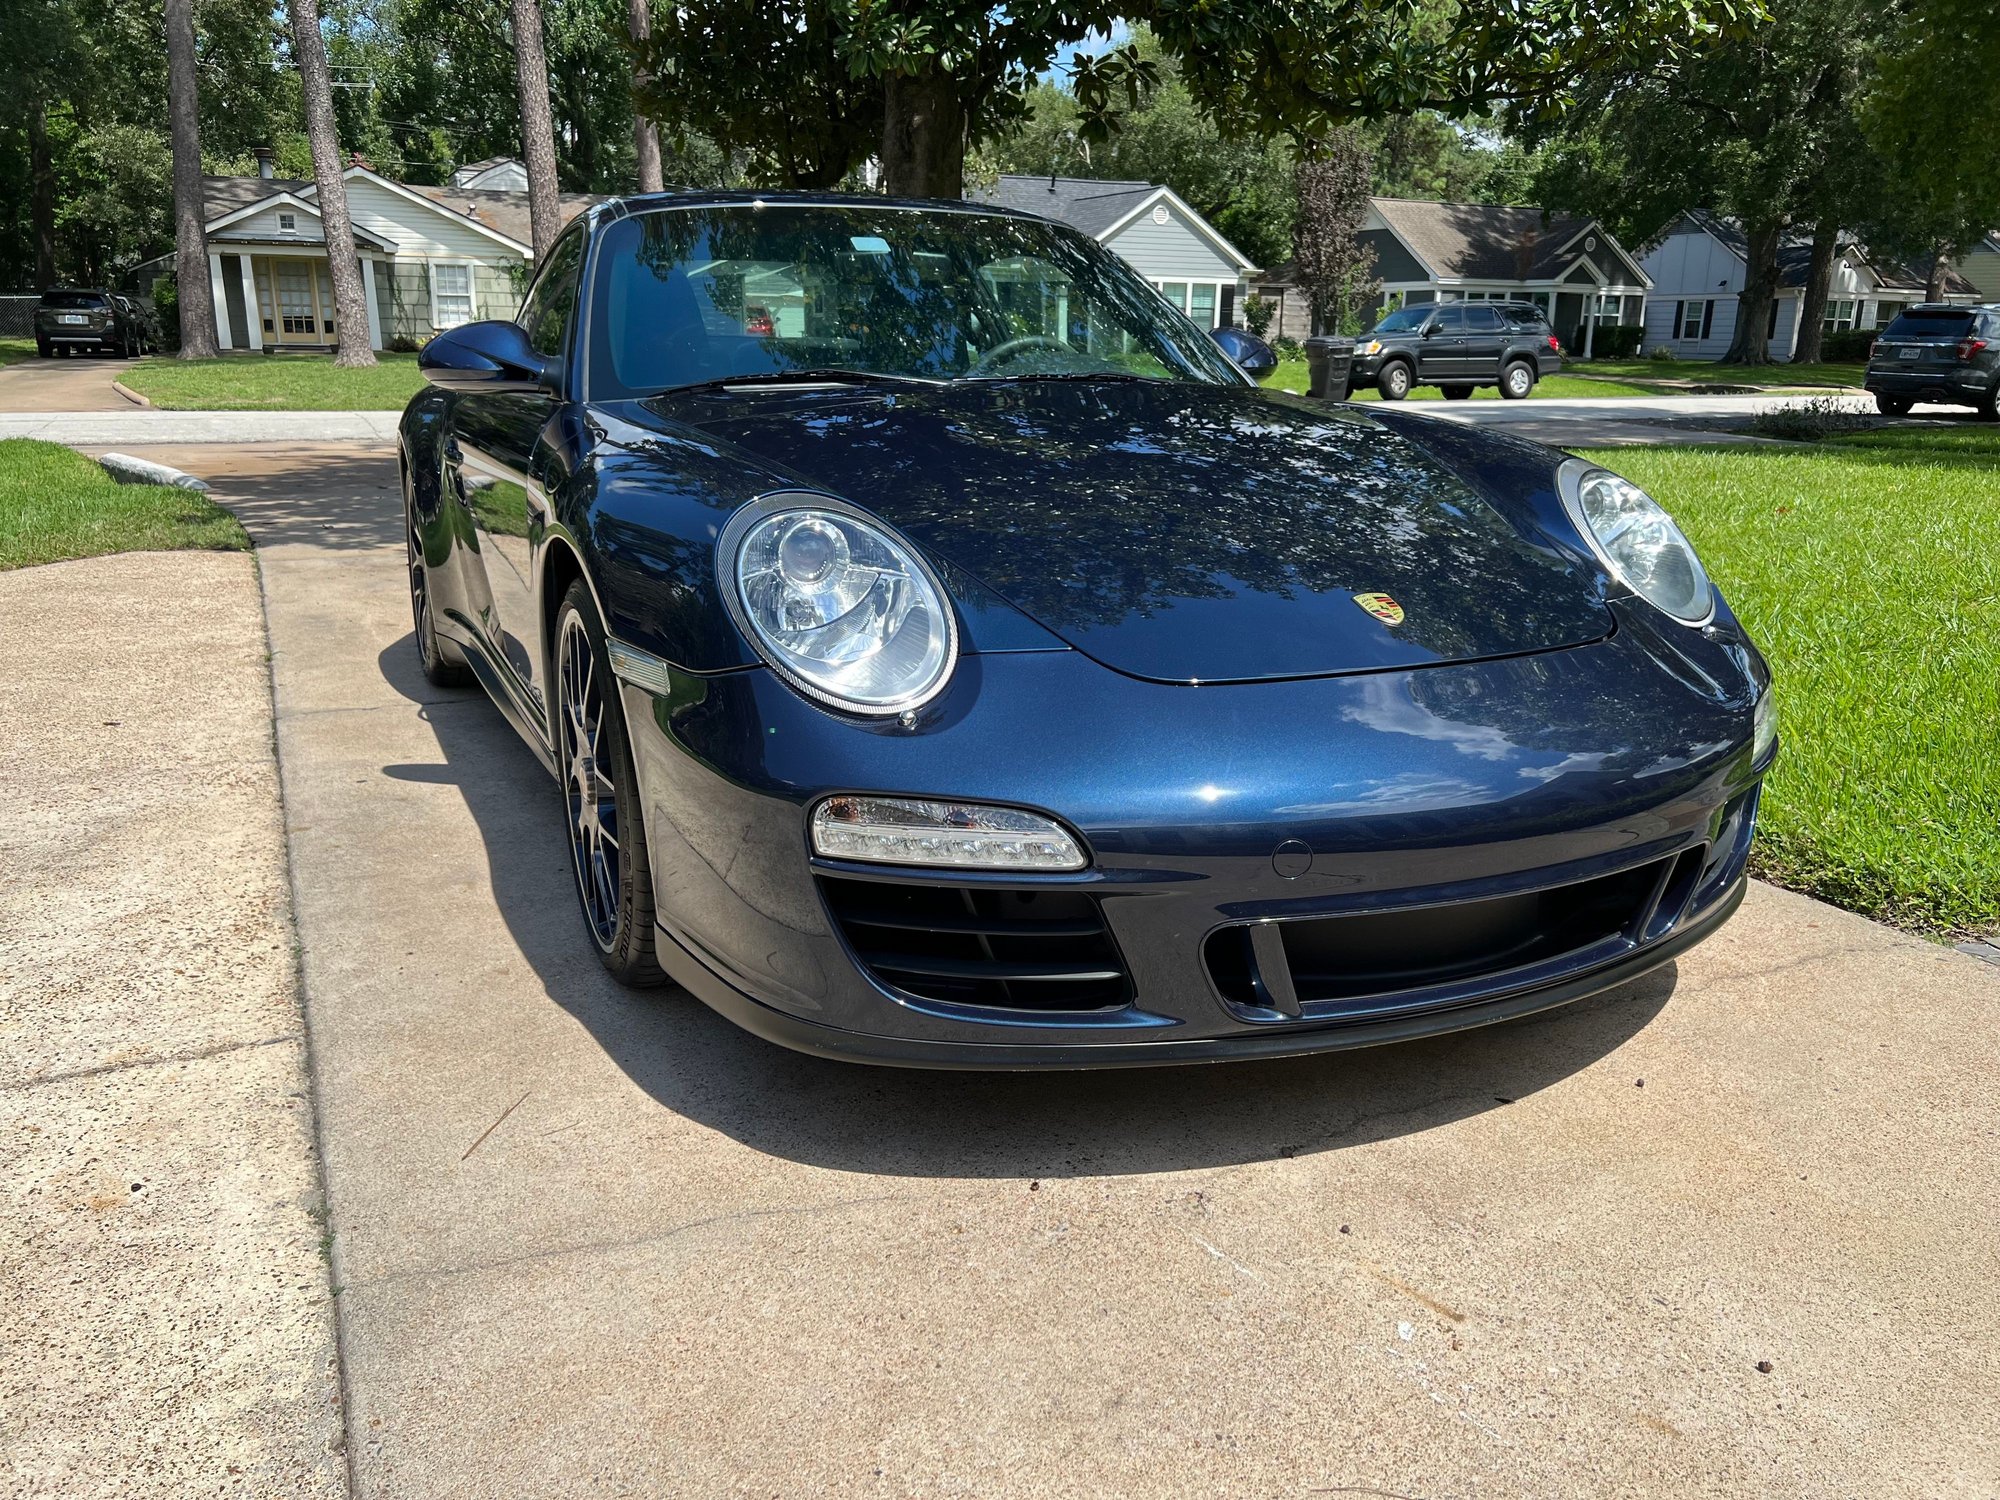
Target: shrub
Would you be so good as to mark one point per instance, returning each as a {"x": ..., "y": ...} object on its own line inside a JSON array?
[
  {"x": 1288, "y": 348},
  {"x": 1810, "y": 421},
  {"x": 167, "y": 304},
  {"x": 1613, "y": 342},
  {"x": 404, "y": 343},
  {"x": 1662, "y": 353},
  {"x": 1847, "y": 346},
  {"x": 1257, "y": 314}
]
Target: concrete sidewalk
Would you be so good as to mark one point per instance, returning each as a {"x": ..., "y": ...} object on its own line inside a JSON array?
[
  {"x": 1727, "y": 1231},
  {"x": 165, "y": 1321}
]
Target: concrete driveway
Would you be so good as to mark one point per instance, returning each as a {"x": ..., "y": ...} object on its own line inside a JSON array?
[
  {"x": 75, "y": 382},
  {"x": 1728, "y": 1231}
]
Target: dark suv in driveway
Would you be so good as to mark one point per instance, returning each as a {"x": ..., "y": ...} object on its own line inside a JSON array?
[
  {"x": 1935, "y": 352},
  {"x": 70, "y": 319},
  {"x": 1456, "y": 346}
]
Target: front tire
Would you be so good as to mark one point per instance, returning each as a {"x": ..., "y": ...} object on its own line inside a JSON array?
[
  {"x": 1517, "y": 381},
  {"x": 1394, "y": 381},
  {"x": 443, "y": 667},
  {"x": 607, "y": 832}
]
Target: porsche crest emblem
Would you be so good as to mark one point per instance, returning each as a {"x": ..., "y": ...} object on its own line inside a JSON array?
[{"x": 1382, "y": 607}]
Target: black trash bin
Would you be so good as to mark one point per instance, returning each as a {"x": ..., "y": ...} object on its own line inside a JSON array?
[{"x": 1329, "y": 366}]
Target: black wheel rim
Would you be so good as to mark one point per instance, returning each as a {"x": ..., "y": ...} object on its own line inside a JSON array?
[
  {"x": 420, "y": 599},
  {"x": 587, "y": 787}
]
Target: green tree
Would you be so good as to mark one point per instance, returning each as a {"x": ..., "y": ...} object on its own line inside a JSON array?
[
  {"x": 1754, "y": 128},
  {"x": 1334, "y": 265},
  {"x": 957, "y": 72}
]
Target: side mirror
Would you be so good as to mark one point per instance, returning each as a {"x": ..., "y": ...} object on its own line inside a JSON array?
[
  {"x": 491, "y": 356},
  {"x": 1429, "y": 329},
  {"x": 1253, "y": 356}
]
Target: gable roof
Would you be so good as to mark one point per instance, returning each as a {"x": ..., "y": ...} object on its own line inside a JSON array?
[
  {"x": 1100, "y": 207},
  {"x": 501, "y": 216},
  {"x": 1492, "y": 242},
  {"x": 288, "y": 194},
  {"x": 1795, "y": 259},
  {"x": 1091, "y": 204}
]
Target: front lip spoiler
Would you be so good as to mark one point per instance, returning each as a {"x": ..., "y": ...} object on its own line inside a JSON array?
[{"x": 906, "y": 1052}]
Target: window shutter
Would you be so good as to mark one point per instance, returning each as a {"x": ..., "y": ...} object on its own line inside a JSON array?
[
  {"x": 1680, "y": 318},
  {"x": 1707, "y": 316}
]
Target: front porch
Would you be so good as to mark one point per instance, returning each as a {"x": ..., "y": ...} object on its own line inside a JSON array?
[{"x": 282, "y": 299}]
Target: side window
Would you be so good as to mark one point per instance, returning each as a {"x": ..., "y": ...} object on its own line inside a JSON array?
[
  {"x": 1484, "y": 320},
  {"x": 550, "y": 306},
  {"x": 1450, "y": 319}
]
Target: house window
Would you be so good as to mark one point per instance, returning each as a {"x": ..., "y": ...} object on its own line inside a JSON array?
[
  {"x": 451, "y": 295},
  {"x": 1201, "y": 304},
  {"x": 1198, "y": 299},
  {"x": 1839, "y": 315},
  {"x": 1692, "y": 320},
  {"x": 288, "y": 223},
  {"x": 1885, "y": 313},
  {"x": 1607, "y": 310}
]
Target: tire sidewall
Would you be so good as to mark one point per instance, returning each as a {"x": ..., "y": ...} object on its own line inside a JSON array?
[
  {"x": 1516, "y": 375},
  {"x": 1395, "y": 381},
  {"x": 630, "y": 952}
]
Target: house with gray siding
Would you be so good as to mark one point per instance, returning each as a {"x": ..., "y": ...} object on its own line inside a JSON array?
[
  {"x": 1152, "y": 228},
  {"x": 1699, "y": 265},
  {"x": 431, "y": 257},
  {"x": 1571, "y": 267}
]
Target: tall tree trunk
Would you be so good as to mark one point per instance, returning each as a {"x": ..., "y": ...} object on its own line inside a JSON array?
[
  {"x": 42, "y": 195},
  {"x": 350, "y": 298},
  {"x": 197, "y": 304},
  {"x": 645, "y": 135},
  {"x": 538, "y": 141},
  {"x": 1819, "y": 281},
  {"x": 923, "y": 136},
  {"x": 1751, "y": 344},
  {"x": 1934, "y": 283}
]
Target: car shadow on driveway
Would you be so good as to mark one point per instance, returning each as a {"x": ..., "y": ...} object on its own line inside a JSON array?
[{"x": 898, "y": 1122}]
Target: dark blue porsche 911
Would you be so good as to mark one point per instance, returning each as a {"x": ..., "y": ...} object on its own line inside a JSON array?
[{"x": 949, "y": 657}]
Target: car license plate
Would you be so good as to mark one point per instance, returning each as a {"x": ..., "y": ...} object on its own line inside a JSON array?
[
  {"x": 1907, "y": 352},
  {"x": 72, "y": 317}
]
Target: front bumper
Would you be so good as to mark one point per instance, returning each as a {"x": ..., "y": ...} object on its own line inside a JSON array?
[{"x": 1443, "y": 789}]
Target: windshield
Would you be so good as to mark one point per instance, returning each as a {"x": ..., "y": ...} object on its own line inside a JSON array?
[
  {"x": 689, "y": 296},
  {"x": 1403, "y": 320},
  {"x": 1930, "y": 323}
]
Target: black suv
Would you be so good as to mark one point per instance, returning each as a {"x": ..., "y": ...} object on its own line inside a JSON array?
[
  {"x": 72, "y": 319},
  {"x": 1935, "y": 352},
  {"x": 1456, "y": 346}
]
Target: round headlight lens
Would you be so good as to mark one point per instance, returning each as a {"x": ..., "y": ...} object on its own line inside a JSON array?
[
  {"x": 843, "y": 607},
  {"x": 1638, "y": 541}
]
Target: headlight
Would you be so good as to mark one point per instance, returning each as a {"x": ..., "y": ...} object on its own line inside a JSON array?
[
  {"x": 1637, "y": 541},
  {"x": 1373, "y": 346},
  {"x": 906, "y": 831},
  {"x": 840, "y": 605},
  {"x": 1763, "y": 727}
]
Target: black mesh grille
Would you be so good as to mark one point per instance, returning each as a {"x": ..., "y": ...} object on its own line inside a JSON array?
[{"x": 1039, "y": 950}]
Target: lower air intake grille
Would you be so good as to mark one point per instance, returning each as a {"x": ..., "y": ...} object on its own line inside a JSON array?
[{"x": 1042, "y": 950}]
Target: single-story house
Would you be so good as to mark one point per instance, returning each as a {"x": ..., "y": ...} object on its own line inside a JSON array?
[
  {"x": 431, "y": 257},
  {"x": 1699, "y": 265},
  {"x": 1572, "y": 268},
  {"x": 1158, "y": 234}
]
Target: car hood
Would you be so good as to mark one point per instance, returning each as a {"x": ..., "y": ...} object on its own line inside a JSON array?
[{"x": 1178, "y": 532}]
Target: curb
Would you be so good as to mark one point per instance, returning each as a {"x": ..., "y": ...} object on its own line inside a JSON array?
[
  {"x": 126, "y": 469},
  {"x": 129, "y": 394}
]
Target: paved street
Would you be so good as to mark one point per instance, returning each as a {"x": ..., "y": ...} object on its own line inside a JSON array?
[{"x": 1724, "y": 1232}]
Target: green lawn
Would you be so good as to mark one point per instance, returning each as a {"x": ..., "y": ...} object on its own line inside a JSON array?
[
  {"x": 275, "y": 382},
  {"x": 1865, "y": 570},
  {"x": 57, "y": 504},
  {"x": 13, "y": 351},
  {"x": 1708, "y": 372},
  {"x": 1292, "y": 375}
]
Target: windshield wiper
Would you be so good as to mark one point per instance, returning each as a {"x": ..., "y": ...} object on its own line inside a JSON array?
[
  {"x": 1108, "y": 377},
  {"x": 828, "y": 376}
]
